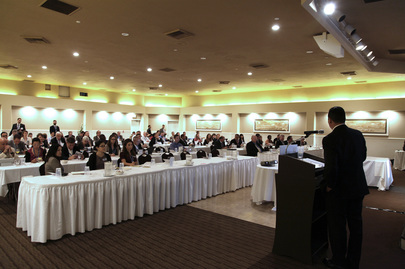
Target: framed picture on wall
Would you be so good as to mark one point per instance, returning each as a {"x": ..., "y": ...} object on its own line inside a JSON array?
[
  {"x": 272, "y": 125},
  {"x": 208, "y": 125},
  {"x": 369, "y": 126}
]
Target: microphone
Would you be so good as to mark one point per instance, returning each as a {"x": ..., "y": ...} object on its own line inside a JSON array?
[{"x": 308, "y": 133}]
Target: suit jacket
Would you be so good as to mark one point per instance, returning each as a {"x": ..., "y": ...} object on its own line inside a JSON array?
[
  {"x": 279, "y": 143},
  {"x": 54, "y": 129},
  {"x": 55, "y": 141},
  {"x": 22, "y": 128},
  {"x": 218, "y": 144},
  {"x": 65, "y": 152},
  {"x": 251, "y": 149},
  {"x": 237, "y": 143},
  {"x": 344, "y": 152},
  {"x": 92, "y": 162}
]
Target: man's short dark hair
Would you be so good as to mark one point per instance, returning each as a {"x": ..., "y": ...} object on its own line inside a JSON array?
[
  {"x": 70, "y": 140},
  {"x": 175, "y": 136},
  {"x": 337, "y": 114},
  {"x": 17, "y": 136},
  {"x": 36, "y": 139}
]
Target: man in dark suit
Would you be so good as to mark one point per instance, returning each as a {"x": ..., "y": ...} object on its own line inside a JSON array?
[
  {"x": 58, "y": 139},
  {"x": 280, "y": 141},
  {"x": 54, "y": 128},
  {"x": 20, "y": 127},
  {"x": 220, "y": 143},
  {"x": 344, "y": 153},
  {"x": 251, "y": 147},
  {"x": 69, "y": 150}
]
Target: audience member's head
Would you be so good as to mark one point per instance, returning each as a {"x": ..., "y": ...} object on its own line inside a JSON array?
[
  {"x": 3, "y": 143},
  {"x": 4, "y": 135},
  {"x": 103, "y": 138},
  {"x": 176, "y": 138},
  {"x": 70, "y": 143},
  {"x": 289, "y": 139},
  {"x": 128, "y": 147},
  {"x": 99, "y": 146},
  {"x": 253, "y": 138},
  {"x": 17, "y": 139},
  {"x": 54, "y": 151},
  {"x": 58, "y": 135},
  {"x": 337, "y": 114}
]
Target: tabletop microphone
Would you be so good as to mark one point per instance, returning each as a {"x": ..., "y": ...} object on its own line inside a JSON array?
[{"x": 308, "y": 133}]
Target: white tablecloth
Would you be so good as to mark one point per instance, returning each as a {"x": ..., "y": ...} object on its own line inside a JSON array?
[
  {"x": 157, "y": 156},
  {"x": 14, "y": 173},
  {"x": 49, "y": 207},
  {"x": 264, "y": 184},
  {"x": 399, "y": 160},
  {"x": 378, "y": 172}
]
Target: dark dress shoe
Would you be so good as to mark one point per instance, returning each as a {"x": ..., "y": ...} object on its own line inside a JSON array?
[{"x": 328, "y": 263}]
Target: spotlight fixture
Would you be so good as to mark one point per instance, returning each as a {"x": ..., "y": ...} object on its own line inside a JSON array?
[
  {"x": 375, "y": 63},
  {"x": 361, "y": 46},
  {"x": 329, "y": 8},
  {"x": 356, "y": 38},
  {"x": 339, "y": 16},
  {"x": 367, "y": 52},
  {"x": 350, "y": 30}
]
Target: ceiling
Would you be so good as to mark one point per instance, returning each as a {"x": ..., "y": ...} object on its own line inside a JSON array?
[{"x": 228, "y": 37}]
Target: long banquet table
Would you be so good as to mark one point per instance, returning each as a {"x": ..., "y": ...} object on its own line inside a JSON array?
[
  {"x": 14, "y": 173},
  {"x": 50, "y": 207}
]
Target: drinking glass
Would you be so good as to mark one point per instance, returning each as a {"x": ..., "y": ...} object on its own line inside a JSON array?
[{"x": 58, "y": 172}]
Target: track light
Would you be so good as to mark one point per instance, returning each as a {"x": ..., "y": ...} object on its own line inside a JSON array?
[
  {"x": 375, "y": 63},
  {"x": 350, "y": 30},
  {"x": 361, "y": 46},
  {"x": 339, "y": 16},
  {"x": 367, "y": 52},
  {"x": 371, "y": 57},
  {"x": 356, "y": 38}
]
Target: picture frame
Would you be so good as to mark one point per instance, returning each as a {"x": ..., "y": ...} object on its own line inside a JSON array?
[
  {"x": 272, "y": 125},
  {"x": 208, "y": 125},
  {"x": 369, "y": 126}
]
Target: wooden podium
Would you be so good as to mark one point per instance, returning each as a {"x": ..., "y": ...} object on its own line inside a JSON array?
[{"x": 301, "y": 225}]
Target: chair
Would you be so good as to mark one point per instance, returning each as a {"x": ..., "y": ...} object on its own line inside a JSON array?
[
  {"x": 166, "y": 156},
  {"x": 201, "y": 154},
  {"x": 183, "y": 155},
  {"x": 144, "y": 158},
  {"x": 118, "y": 162},
  {"x": 215, "y": 153},
  {"x": 42, "y": 169},
  {"x": 27, "y": 157},
  {"x": 160, "y": 149}
]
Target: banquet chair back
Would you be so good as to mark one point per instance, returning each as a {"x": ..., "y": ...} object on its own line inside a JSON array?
[
  {"x": 150, "y": 150},
  {"x": 215, "y": 153},
  {"x": 42, "y": 169},
  {"x": 166, "y": 156},
  {"x": 160, "y": 149},
  {"x": 183, "y": 155},
  {"x": 201, "y": 154},
  {"x": 144, "y": 158}
]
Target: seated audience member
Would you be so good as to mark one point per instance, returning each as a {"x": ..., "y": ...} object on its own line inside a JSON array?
[
  {"x": 176, "y": 143},
  {"x": 290, "y": 140},
  {"x": 268, "y": 142},
  {"x": 276, "y": 139},
  {"x": 251, "y": 147},
  {"x": 99, "y": 157},
  {"x": 119, "y": 137},
  {"x": 302, "y": 141},
  {"x": 280, "y": 141},
  {"x": 79, "y": 137},
  {"x": 149, "y": 130},
  {"x": 88, "y": 135},
  {"x": 128, "y": 154},
  {"x": 145, "y": 138},
  {"x": 236, "y": 141},
  {"x": 97, "y": 137},
  {"x": 242, "y": 138},
  {"x": 85, "y": 144},
  {"x": 259, "y": 140},
  {"x": 185, "y": 136},
  {"x": 71, "y": 151},
  {"x": 30, "y": 135},
  {"x": 49, "y": 139},
  {"x": 52, "y": 159},
  {"x": 112, "y": 146},
  {"x": 70, "y": 134},
  {"x": 13, "y": 133},
  {"x": 58, "y": 139},
  {"x": 155, "y": 139},
  {"x": 103, "y": 138},
  {"x": 214, "y": 138},
  {"x": 5, "y": 150},
  {"x": 208, "y": 140},
  {"x": 4, "y": 135},
  {"x": 42, "y": 138},
  {"x": 18, "y": 146},
  {"x": 220, "y": 143},
  {"x": 36, "y": 153},
  {"x": 197, "y": 139},
  {"x": 183, "y": 140},
  {"x": 136, "y": 141},
  {"x": 26, "y": 139}
]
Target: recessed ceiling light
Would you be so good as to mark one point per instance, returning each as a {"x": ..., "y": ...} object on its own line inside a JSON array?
[
  {"x": 76, "y": 54},
  {"x": 276, "y": 19},
  {"x": 84, "y": 83},
  {"x": 310, "y": 51},
  {"x": 329, "y": 64},
  {"x": 112, "y": 77},
  {"x": 203, "y": 58},
  {"x": 329, "y": 9},
  {"x": 275, "y": 27},
  {"x": 44, "y": 67},
  {"x": 29, "y": 76},
  {"x": 349, "y": 77},
  {"x": 124, "y": 34},
  {"x": 160, "y": 85},
  {"x": 134, "y": 90},
  {"x": 233, "y": 88},
  {"x": 250, "y": 73},
  {"x": 77, "y": 21},
  {"x": 196, "y": 91},
  {"x": 149, "y": 69},
  {"x": 175, "y": 50},
  {"x": 199, "y": 80},
  {"x": 166, "y": 94}
]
